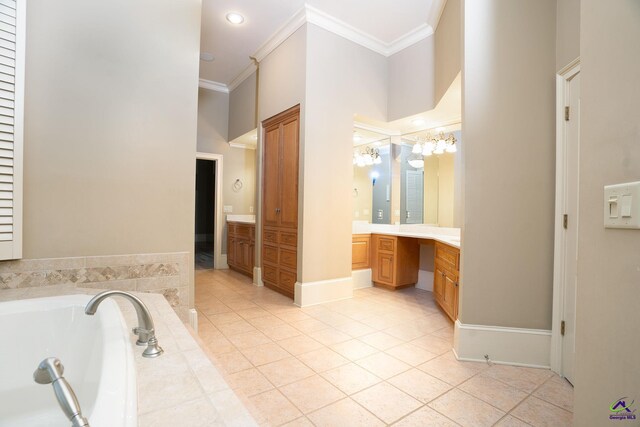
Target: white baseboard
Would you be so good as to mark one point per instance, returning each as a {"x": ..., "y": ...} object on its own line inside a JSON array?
[
  {"x": 223, "y": 263},
  {"x": 361, "y": 278},
  {"x": 425, "y": 280},
  {"x": 257, "y": 276},
  {"x": 509, "y": 346},
  {"x": 312, "y": 293},
  {"x": 193, "y": 319}
]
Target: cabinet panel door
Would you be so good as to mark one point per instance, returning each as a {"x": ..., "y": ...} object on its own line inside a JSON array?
[
  {"x": 449, "y": 294},
  {"x": 271, "y": 194},
  {"x": 231, "y": 252},
  {"x": 360, "y": 253},
  {"x": 289, "y": 173},
  {"x": 438, "y": 283},
  {"x": 385, "y": 268}
]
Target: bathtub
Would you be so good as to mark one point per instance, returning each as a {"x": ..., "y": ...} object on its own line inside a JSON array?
[{"x": 95, "y": 351}]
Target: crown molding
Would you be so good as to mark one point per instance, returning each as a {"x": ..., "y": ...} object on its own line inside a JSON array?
[
  {"x": 309, "y": 14},
  {"x": 286, "y": 30},
  {"x": 341, "y": 28},
  {"x": 211, "y": 85},
  {"x": 409, "y": 39},
  {"x": 244, "y": 75}
]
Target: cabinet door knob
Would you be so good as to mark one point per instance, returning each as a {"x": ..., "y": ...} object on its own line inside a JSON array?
[
  {"x": 456, "y": 284},
  {"x": 277, "y": 210}
]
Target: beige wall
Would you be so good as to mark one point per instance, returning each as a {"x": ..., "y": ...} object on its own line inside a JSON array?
[
  {"x": 343, "y": 78},
  {"x": 242, "y": 108},
  {"x": 411, "y": 80},
  {"x": 110, "y": 127},
  {"x": 448, "y": 45},
  {"x": 608, "y": 319},
  {"x": 508, "y": 125},
  {"x": 568, "y": 32},
  {"x": 238, "y": 163}
]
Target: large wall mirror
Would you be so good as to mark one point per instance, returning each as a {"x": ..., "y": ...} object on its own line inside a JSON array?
[
  {"x": 372, "y": 177},
  {"x": 412, "y": 178},
  {"x": 429, "y": 164}
]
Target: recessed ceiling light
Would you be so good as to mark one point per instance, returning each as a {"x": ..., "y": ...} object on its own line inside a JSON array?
[
  {"x": 235, "y": 18},
  {"x": 440, "y": 129},
  {"x": 356, "y": 137},
  {"x": 206, "y": 56},
  {"x": 417, "y": 122}
]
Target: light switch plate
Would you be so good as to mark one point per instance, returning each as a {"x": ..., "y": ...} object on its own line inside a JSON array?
[
  {"x": 228, "y": 209},
  {"x": 622, "y": 205}
]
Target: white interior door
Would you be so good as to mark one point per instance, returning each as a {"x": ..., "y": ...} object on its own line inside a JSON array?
[{"x": 572, "y": 163}]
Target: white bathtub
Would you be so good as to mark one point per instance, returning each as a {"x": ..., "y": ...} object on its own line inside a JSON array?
[{"x": 95, "y": 351}]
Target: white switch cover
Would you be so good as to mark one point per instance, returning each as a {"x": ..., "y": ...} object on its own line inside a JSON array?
[
  {"x": 250, "y": 209},
  {"x": 228, "y": 209},
  {"x": 622, "y": 205}
]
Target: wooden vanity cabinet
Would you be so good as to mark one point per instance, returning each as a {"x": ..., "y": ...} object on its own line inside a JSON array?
[
  {"x": 445, "y": 278},
  {"x": 240, "y": 247},
  {"x": 395, "y": 261}
]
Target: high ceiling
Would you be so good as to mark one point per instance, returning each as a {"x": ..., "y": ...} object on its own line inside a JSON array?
[{"x": 384, "y": 22}]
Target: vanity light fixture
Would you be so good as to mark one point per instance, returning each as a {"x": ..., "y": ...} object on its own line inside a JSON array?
[
  {"x": 436, "y": 145},
  {"x": 235, "y": 18},
  {"x": 370, "y": 156}
]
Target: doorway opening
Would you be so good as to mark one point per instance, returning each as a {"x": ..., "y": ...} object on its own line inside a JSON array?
[
  {"x": 204, "y": 251},
  {"x": 209, "y": 254}
]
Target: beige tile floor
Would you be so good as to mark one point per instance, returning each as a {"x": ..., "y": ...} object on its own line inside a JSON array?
[{"x": 380, "y": 358}]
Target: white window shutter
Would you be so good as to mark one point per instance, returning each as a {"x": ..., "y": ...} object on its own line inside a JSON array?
[{"x": 12, "y": 63}]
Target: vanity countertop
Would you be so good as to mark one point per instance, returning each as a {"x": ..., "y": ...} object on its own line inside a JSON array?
[
  {"x": 448, "y": 236},
  {"x": 247, "y": 219}
]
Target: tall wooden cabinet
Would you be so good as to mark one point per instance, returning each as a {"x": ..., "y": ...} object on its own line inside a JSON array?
[{"x": 280, "y": 201}]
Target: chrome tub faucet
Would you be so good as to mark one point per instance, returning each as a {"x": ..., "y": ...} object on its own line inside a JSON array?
[
  {"x": 145, "y": 329},
  {"x": 50, "y": 371}
]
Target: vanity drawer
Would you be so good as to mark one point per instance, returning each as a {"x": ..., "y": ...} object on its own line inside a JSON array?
[
  {"x": 288, "y": 258},
  {"x": 270, "y": 236},
  {"x": 448, "y": 255},
  {"x": 271, "y": 254},
  {"x": 243, "y": 230},
  {"x": 386, "y": 243},
  {"x": 269, "y": 273},
  {"x": 289, "y": 239},
  {"x": 288, "y": 280}
]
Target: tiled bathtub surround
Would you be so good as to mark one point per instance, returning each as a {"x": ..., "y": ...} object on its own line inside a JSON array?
[
  {"x": 180, "y": 388},
  {"x": 166, "y": 274}
]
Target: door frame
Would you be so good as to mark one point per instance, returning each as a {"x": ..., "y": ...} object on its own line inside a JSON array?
[
  {"x": 218, "y": 262},
  {"x": 559, "y": 267}
]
